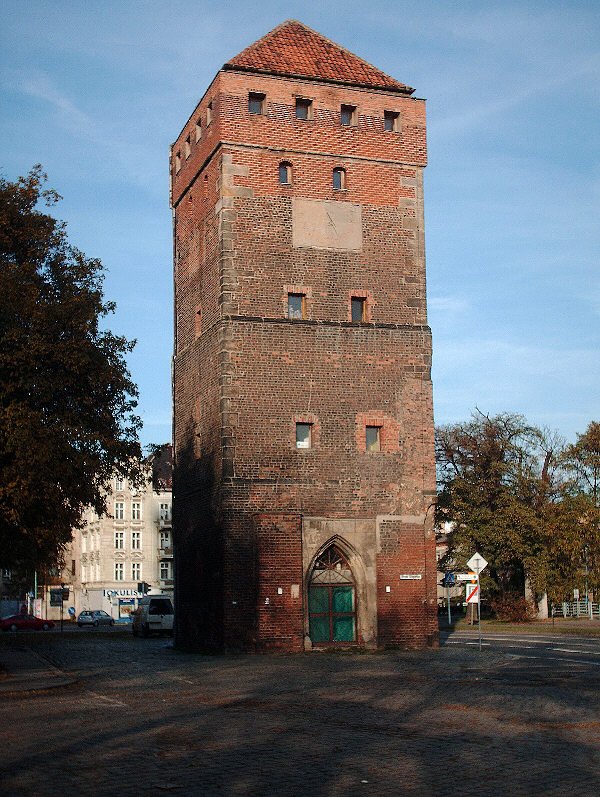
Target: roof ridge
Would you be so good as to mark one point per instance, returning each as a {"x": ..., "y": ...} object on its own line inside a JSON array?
[
  {"x": 341, "y": 47},
  {"x": 315, "y": 63}
]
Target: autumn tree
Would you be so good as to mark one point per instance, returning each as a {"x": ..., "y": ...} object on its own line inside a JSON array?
[
  {"x": 522, "y": 498},
  {"x": 574, "y": 525},
  {"x": 67, "y": 401},
  {"x": 583, "y": 461},
  {"x": 497, "y": 476}
]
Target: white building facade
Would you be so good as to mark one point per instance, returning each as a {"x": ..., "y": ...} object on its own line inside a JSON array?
[{"x": 111, "y": 556}]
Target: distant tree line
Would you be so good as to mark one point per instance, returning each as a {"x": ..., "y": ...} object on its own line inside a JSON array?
[{"x": 525, "y": 500}]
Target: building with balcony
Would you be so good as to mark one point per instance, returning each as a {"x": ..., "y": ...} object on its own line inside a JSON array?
[{"x": 111, "y": 556}]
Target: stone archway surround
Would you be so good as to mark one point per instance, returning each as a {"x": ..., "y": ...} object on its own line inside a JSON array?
[{"x": 357, "y": 540}]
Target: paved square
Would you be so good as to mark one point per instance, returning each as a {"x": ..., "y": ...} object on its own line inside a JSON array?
[{"x": 145, "y": 719}]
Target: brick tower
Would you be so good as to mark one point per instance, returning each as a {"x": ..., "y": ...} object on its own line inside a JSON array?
[{"x": 304, "y": 467}]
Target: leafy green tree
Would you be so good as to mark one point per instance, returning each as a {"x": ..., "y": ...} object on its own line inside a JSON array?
[
  {"x": 497, "y": 475},
  {"x": 583, "y": 461},
  {"x": 575, "y": 527},
  {"x": 67, "y": 400},
  {"x": 524, "y": 500}
]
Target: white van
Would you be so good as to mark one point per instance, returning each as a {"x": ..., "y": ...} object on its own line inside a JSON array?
[{"x": 154, "y": 614}]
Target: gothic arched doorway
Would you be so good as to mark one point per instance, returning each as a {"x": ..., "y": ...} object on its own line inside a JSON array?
[{"x": 332, "y": 599}]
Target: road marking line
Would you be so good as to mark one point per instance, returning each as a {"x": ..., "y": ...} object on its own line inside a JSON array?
[
  {"x": 111, "y": 700},
  {"x": 521, "y": 647},
  {"x": 462, "y": 642},
  {"x": 585, "y": 652},
  {"x": 539, "y": 641},
  {"x": 533, "y": 641},
  {"x": 574, "y": 661},
  {"x": 554, "y": 658},
  {"x": 516, "y": 656}
]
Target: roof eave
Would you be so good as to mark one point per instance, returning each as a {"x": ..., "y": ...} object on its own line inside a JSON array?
[{"x": 405, "y": 90}]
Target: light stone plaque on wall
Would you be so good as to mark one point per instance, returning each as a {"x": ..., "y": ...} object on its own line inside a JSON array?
[{"x": 323, "y": 224}]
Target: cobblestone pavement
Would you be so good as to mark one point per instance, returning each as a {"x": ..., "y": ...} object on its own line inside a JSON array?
[{"x": 146, "y": 719}]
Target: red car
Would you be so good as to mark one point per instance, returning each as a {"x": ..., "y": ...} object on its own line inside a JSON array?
[{"x": 25, "y": 622}]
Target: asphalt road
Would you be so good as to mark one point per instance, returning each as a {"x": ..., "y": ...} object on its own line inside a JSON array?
[{"x": 553, "y": 651}]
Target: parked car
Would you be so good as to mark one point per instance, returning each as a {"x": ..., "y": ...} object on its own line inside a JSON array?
[
  {"x": 154, "y": 614},
  {"x": 25, "y": 622},
  {"x": 94, "y": 618}
]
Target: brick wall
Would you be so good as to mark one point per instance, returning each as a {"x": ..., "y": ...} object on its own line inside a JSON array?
[
  {"x": 245, "y": 374},
  {"x": 280, "y": 594}
]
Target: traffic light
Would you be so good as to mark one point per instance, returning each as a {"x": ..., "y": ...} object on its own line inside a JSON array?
[{"x": 143, "y": 588}]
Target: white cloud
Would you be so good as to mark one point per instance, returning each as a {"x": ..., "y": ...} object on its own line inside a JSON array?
[
  {"x": 109, "y": 137},
  {"x": 447, "y": 304},
  {"x": 39, "y": 86},
  {"x": 479, "y": 113}
]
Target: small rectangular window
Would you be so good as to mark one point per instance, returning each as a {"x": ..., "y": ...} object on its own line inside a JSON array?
[
  {"x": 119, "y": 571},
  {"x": 303, "y": 435},
  {"x": 119, "y": 540},
  {"x": 119, "y": 510},
  {"x": 118, "y": 484},
  {"x": 165, "y": 571},
  {"x": 136, "y": 510},
  {"x": 391, "y": 121},
  {"x": 296, "y": 306},
  {"x": 165, "y": 539},
  {"x": 339, "y": 179},
  {"x": 177, "y": 162},
  {"x": 373, "y": 438},
  {"x": 348, "y": 115},
  {"x": 256, "y": 103},
  {"x": 198, "y": 129},
  {"x": 136, "y": 540},
  {"x": 136, "y": 571},
  {"x": 358, "y": 307},
  {"x": 188, "y": 147},
  {"x": 303, "y": 109},
  {"x": 285, "y": 173},
  {"x": 165, "y": 511},
  {"x": 209, "y": 113}
]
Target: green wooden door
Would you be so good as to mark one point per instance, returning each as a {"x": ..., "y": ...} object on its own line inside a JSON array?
[{"x": 332, "y": 613}]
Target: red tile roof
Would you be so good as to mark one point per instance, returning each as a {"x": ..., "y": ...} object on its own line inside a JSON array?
[{"x": 294, "y": 50}]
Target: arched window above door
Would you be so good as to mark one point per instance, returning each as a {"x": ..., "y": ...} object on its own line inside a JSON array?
[
  {"x": 332, "y": 568},
  {"x": 332, "y": 599}
]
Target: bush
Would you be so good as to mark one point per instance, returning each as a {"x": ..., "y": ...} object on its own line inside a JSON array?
[{"x": 513, "y": 608}]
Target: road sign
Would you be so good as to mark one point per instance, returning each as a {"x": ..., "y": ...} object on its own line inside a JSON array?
[
  {"x": 448, "y": 580},
  {"x": 56, "y": 597},
  {"x": 466, "y": 576},
  {"x": 477, "y": 563},
  {"x": 472, "y": 593}
]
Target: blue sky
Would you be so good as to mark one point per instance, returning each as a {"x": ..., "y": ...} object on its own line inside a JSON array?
[{"x": 97, "y": 91}]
